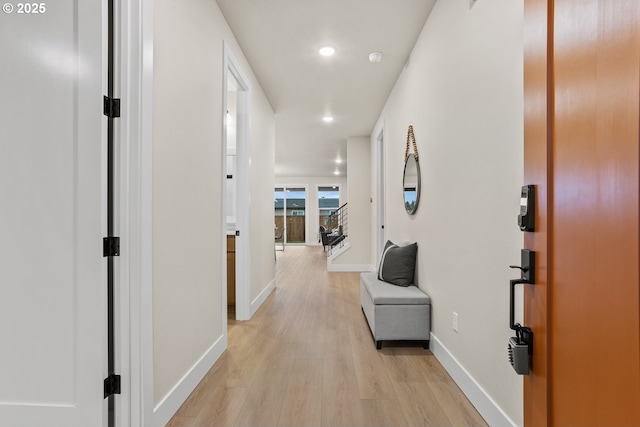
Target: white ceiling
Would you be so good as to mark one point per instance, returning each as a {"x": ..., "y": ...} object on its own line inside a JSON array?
[{"x": 281, "y": 39}]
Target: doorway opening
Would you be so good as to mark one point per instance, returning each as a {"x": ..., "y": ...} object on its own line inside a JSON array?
[
  {"x": 290, "y": 214},
  {"x": 236, "y": 192},
  {"x": 328, "y": 204}
]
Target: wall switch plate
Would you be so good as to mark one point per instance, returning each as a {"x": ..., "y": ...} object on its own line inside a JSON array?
[{"x": 455, "y": 321}]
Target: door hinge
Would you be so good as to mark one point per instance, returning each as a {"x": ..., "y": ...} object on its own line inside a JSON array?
[
  {"x": 111, "y": 385},
  {"x": 111, "y": 246},
  {"x": 111, "y": 107}
]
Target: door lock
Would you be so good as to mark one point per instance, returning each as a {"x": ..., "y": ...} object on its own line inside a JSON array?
[{"x": 526, "y": 218}]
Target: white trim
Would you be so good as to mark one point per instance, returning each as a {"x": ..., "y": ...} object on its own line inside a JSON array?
[
  {"x": 380, "y": 234},
  {"x": 170, "y": 403},
  {"x": 135, "y": 407},
  {"x": 126, "y": 208},
  {"x": 223, "y": 191},
  {"x": 486, "y": 406},
  {"x": 260, "y": 299}
]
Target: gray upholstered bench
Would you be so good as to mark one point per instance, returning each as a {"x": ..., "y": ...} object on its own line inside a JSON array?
[{"x": 395, "y": 312}]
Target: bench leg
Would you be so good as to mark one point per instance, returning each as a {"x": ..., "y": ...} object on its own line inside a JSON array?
[
  {"x": 425, "y": 344},
  {"x": 378, "y": 345}
]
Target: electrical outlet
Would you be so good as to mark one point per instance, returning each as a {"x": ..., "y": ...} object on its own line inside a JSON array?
[{"x": 455, "y": 321}]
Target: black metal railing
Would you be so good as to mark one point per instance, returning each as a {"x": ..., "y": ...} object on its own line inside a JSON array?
[{"x": 337, "y": 228}]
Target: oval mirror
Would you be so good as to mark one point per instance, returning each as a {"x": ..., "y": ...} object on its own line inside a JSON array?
[{"x": 411, "y": 184}]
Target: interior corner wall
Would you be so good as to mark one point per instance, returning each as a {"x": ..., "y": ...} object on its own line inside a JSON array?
[
  {"x": 462, "y": 88},
  {"x": 187, "y": 192},
  {"x": 359, "y": 203}
]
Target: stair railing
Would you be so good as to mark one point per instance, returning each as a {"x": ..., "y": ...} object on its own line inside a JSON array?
[{"x": 338, "y": 223}]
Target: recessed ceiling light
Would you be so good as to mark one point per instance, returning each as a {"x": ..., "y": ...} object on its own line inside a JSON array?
[
  {"x": 338, "y": 161},
  {"x": 336, "y": 172},
  {"x": 327, "y": 51},
  {"x": 375, "y": 57},
  {"x": 327, "y": 119}
]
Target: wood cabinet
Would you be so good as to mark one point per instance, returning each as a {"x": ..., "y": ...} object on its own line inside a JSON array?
[{"x": 231, "y": 270}]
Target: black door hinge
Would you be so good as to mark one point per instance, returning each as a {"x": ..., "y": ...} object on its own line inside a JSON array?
[
  {"x": 111, "y": 385},
  {"x": 111, "y": 107},
  {"x": 111, "y": 246}
]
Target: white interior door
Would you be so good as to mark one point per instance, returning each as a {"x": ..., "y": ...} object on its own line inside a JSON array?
[{"x": 52, "y": 214}]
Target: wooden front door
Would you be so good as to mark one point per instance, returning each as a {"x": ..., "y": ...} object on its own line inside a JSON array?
[{"x": 582, "y": 98}]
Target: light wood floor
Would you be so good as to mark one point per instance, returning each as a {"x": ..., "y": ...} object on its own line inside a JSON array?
[{"x": 307, "y": 358}]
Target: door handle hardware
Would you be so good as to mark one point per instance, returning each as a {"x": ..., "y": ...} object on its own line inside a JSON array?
[
  {"x": 527, "y": 266},
  {"x": 520, "y": 347}
]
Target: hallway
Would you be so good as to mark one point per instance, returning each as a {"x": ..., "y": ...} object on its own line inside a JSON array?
[{"x": 307, "y": 358}]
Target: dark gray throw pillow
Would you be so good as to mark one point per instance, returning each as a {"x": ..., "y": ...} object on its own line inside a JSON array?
[{"x": 398, "y": 263}]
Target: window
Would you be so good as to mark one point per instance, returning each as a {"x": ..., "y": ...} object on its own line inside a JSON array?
[
  {"x": 328, "y": 203},
  {"x": 290, "y": 213},
  {"x": 279, "y": 208}
]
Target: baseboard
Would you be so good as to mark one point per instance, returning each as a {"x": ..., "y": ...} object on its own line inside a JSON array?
[
  {"x": 170, "y": 404},
  {"x": 260, "y": 299},
  {"x": 486, "y": 406}
]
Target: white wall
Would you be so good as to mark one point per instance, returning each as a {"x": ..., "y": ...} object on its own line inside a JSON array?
[
  {"x": 262, "y": 136},
  {"x": 187, "y": 192},
  {"x": 359, "y": 207},
  {"x": 462, "y": 89}
]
